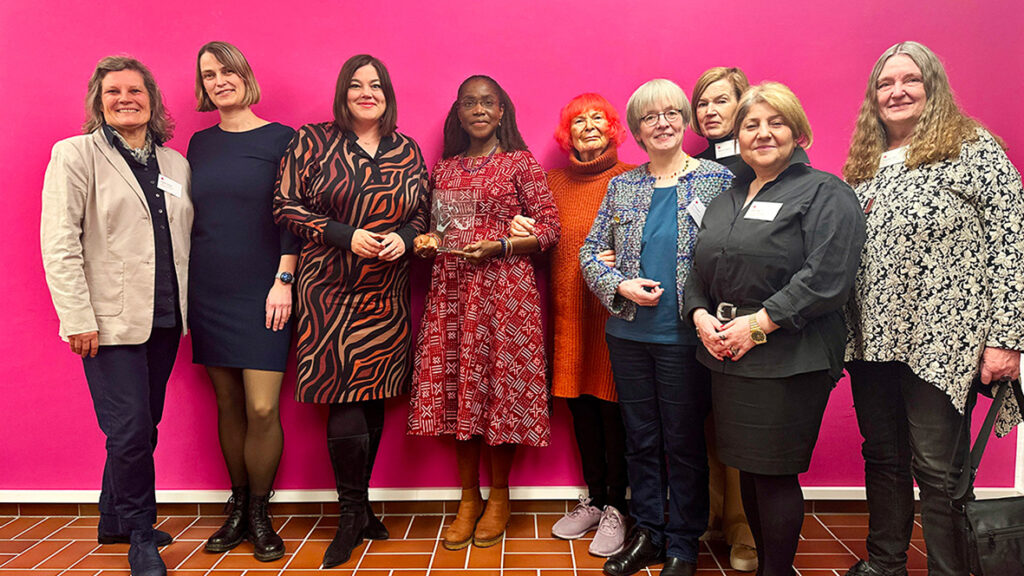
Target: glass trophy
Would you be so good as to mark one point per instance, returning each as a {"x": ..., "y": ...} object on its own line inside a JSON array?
[{"x": 451, "y": 218}]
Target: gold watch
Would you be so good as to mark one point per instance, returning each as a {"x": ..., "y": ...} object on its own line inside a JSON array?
[{"x": 756, "y": 333}]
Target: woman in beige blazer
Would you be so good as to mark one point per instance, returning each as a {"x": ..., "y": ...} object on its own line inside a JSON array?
[{"x": 116, "y": 220}]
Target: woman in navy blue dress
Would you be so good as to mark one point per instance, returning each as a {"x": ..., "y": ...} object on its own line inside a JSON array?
[{"x": 240, "y": 300}]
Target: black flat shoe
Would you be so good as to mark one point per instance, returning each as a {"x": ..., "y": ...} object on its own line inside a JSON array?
[
  {"x": 864, "y": 568},
  {"x": 678, "y": 567},
  {"x": 640, "y": 552}
]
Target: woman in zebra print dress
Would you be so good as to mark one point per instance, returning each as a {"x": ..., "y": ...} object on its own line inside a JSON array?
[{"x": 356, "y": 191}]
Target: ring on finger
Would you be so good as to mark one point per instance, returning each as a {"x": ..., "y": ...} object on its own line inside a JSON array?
[
  {"x": 734, "y": 351},
  {"x": 721, "y": 337}
]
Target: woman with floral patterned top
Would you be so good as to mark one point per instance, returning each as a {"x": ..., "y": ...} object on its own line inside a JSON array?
[{"x": 937, "y": 300}]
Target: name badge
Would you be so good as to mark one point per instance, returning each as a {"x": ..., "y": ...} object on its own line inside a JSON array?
[
  {"x": 763, "y": 211},
  {"x": 727, "y": 149},
  {"x": 170, "y": 186},
  {"x": 896, "y": 156},
  {"x": 696, "y": 211}
]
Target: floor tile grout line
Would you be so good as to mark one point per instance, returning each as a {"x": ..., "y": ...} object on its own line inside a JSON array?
[
  {"x": 713, "y": 557},
  {"x": 58, "y": 551},
  {"x": 94, "y": 549},
  {"x": 302, "y": 544},
  {"x": 194, "y": 550},
  {"x": 41, "y": 520},
  {"x": 833, "y": 534}
]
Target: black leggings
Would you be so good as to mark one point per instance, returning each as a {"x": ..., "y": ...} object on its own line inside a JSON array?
[
  {"x": 601, "y": 439},
  {"x": 355, "y": 418},
  {"x": 775, "y": 510}
]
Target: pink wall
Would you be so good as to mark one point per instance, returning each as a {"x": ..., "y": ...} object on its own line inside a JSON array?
[{"x": 542, "y": 52}]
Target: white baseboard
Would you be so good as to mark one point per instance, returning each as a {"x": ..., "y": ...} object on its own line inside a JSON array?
[{"x": 406, "y": 494}]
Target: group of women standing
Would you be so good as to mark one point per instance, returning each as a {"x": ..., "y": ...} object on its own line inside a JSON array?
[{"x": 733, "y": 285}]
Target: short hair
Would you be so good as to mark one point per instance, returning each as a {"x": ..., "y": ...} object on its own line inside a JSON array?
[
  {"x": 940, "y": 131},
  {"x": 736, "y": 78},
  {"x": 650, "y": 93},
  {"x": 455, "y": 138},
  {"x": 782, "y": 99},
  {"x": 343, "y": 116},
  {"x": 232, "y": 58},
  {"x": 160, "y": 124},
  {"x": 580, "y": 105}
]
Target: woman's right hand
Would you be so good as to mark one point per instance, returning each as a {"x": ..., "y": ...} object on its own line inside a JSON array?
[
  {"x": 607, "y": 257},
  {"x": 641, "y": 290},
  {"x": 85, "y": 344},
  {"x": 425, "y": 245},
  {"x": 366, "y": 244},
  {"x": 708, "y": 328},
  {"x": 521, "y": 226}
]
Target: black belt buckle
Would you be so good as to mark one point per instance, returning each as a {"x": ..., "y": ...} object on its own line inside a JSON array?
[{"x": 726, "y": 311}]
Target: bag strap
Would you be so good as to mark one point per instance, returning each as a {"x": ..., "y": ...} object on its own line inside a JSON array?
[{"x": 973, "y": 456}]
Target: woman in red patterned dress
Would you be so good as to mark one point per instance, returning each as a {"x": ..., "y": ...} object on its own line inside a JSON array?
[
  {"x": 480, "y": 368},
  {"x": 356, "y": 191}
]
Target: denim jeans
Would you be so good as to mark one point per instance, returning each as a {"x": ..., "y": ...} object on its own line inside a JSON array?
[
  {"x": 128, "y": 385},
  {"x": 910, "y": 430},
  {"x": 665, "y": 395}
]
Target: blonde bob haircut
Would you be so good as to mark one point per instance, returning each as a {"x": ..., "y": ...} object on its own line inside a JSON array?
[
  {"x": 231, "y": 58},
  {"x": 650, "y": 94},
  {"x": 782, "y": 99},
  {"x": 160, "y": 126},
  {"x": 939, "y": 133},
  {"x": 736, "y": 78}
]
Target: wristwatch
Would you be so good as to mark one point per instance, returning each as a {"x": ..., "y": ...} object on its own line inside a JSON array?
[
  {"x": 285, "y": 277},
  {"x": 756, "y": 334}
]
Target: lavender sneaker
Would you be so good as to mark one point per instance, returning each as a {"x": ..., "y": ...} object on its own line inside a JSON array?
[
  {"x": 575, "y": 524},
  {"x": 611, "y": 533}
]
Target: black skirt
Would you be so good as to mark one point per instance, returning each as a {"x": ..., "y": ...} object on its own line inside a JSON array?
[{"x": 769, "y": 425}]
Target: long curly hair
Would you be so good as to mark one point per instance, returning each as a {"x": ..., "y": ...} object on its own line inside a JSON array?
[
  {"x": 939, "y": 133},
  {"x": 456, "y": 141}
]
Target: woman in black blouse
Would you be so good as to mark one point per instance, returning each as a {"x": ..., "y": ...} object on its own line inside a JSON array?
[{"x": 774, "y": 263}]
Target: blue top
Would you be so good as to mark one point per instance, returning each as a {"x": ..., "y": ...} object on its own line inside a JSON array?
[{"x": 658, "y": 324}]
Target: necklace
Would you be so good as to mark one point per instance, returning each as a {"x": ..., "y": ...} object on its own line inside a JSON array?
[
  {"x": 684, "y": 168},
  {"x": 465, "y": 165}
]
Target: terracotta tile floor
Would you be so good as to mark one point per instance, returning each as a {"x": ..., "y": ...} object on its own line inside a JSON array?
[{"x": 60, "y": 539}]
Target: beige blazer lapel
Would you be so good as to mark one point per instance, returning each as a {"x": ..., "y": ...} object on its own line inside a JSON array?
[{"x": 119, "y": 164}]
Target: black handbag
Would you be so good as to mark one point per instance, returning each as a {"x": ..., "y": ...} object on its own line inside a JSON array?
[{"x": 993, "y": 530}]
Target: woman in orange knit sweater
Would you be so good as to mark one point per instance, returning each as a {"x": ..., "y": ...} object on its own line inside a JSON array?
[{"x": 590, "y": 131}]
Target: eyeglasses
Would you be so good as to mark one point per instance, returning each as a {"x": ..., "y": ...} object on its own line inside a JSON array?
[
  {"x": 670, "y": 116},
  {"x": 470, "y": 103}
]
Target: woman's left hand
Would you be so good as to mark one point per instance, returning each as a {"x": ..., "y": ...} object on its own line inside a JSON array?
[
  {"x": 279, "y": 305},
  {"x": 999, "y": 364},
  {"x": 392, "y": 247},
  {"x": 479, "y": 252},
  {"x": 735, "y": 335}
]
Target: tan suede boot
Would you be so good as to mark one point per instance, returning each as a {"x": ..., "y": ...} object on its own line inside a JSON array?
[
  {"x": 491, "y": 527},
  {"x": 460, "y": 533}
]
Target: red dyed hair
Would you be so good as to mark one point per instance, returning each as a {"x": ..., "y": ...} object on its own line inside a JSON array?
[{"x": 580, "y": 104}]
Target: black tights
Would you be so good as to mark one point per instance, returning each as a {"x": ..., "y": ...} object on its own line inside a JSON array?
[
  {"x": 775, "y": 510},
  {"x": 355, "y": 418},
  {"x": 601, "y": 439}
]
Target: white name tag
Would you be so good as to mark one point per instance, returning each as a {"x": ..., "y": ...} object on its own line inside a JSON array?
[
  {"x": 727, "y": 149},
  {"x": 896, "y": 156},
  {"x": 763, "y": 211},
  {"x": 170, "y": 186},
  {"x": 696, "y": 210}
]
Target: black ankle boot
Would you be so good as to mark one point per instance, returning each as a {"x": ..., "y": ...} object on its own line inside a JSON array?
[
  {"x": 348, "y": 457},
  {"x": 143, "y": 556},
  {"x": 267, "y": 545},
  {"x": 236, "y": 527},
  {"x": 375, "y": 529}
]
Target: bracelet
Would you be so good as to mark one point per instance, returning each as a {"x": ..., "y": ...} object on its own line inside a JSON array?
[
  {"x": 509, "y": 251},
  {"x": 504, "y": 246}
]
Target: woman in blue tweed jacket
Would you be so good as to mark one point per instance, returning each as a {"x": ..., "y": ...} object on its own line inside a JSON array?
[{"x": 649, "y": 217}]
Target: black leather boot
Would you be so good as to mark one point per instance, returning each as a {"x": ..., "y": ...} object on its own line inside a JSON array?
[
  {"x": 349, "y": 458},
  {"x": 678, "y": 567},
  {"x": 375, "y": 529},
  {"x": 236, "y": 527},
  {"x": 639, "y": 553},
  {"x": 267, "y": 545}
]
